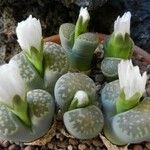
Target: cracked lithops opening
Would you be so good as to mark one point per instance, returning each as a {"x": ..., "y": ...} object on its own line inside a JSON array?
[
  {"x": 67, "y": 86},
  {"x": 80, "y": 100},
  {"x": 75, "y": 95},
  {"x": 79, "y": 44},
  {"x": 126, "y": 114}
]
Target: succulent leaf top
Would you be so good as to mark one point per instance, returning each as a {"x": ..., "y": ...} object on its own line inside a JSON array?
[
  {"x": 29, "y": 33},
  {"x": 122, "y": 24},
  {"x": 130, "y": 79}
]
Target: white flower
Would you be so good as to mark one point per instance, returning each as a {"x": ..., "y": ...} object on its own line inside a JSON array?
[
  {"x": 29, "y": 33},
  {"x": 130, "y": 79},
  {"x": 84, "y": 14},
  {"x": 82, "y": 97},
  {"x": 122, "y": 25},
  {"x": 11, "y": 83}
]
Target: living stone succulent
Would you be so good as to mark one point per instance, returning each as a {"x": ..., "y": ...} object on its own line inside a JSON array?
[
  {"x": 27, "y": 110},
  {"x": 40, "y": 64},
  {"x": 118, "y": 46},
  {"x": 54, "y": 65},
  {"x": 126, "y": 116},
  {"x": 109, "y": 67},
  {"x": 79, "y": 44},
  {"x": 75, "y": 95},
  {"x": 22, "y": 113},
  {"x": 28, "y": 73}
]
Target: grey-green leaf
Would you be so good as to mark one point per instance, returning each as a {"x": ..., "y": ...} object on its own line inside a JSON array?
[
  {"x": 41, "y": 112},
  {"x": 86, "y": 44},
  {"x": 55, "y": 64},
  {"x": 69, "y": 84},
  {"x": 109, "y": 95},
  {"x": 109, "y": 67},
  {"x": 133, "y": 126},
  {"x": 28, "y": 72},
  {"x": 84, "y": 123},
  {"x": 66, "y": 33}
]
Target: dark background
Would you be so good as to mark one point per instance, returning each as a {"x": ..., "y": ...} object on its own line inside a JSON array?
[{"x": 52, "y": 13}]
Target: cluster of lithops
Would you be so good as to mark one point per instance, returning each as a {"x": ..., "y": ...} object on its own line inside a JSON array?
[
  {"x": 79, "y": 44},
  {"x": 26, "y": 94},
  {"x": 75, "y": 94},
  {"x": 46, "y": 73},
  {"x": 22, "y": 112},
  {"x": 126, "y": 111},
  {"x": 126, "y": 114}
]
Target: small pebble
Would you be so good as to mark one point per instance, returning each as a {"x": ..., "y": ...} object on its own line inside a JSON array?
[
  {"x": 82, "y": 147},
  {"x": 60, "y": 136},
  {"x": 5, "y": 143},
  {"x": 147, "y": 146},
  {"x": 29, "y": 147},
  {"x": 70, "y": 147},
  {"x": 50, "y": 146},
  {"x": 61, "y": 145},
  {"x": 73, "y": 142},
  {"x": 97, "y": 143},
  {"x": 137, "y": 147},
  {"x": 13, "y": 147}
]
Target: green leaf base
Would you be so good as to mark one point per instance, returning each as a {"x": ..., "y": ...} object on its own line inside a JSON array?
[
  {"x": 41, "y": 112},
  {"x": 131, "y": 126}
]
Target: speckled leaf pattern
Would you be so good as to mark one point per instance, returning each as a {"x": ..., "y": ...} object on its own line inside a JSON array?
[
  {"x": 7, "y": 124},
  {"x": 109, "y": 96},
  {"x": 28, "y": 72},
  {"x": 109, "y": 67},
  {"x": 39, "y": 102},
  {"x": 69, "y": 84},
  {"x": 84, "y": 123},
  {"x": 41, "y": 112},
  {"x": 132, "y": 126},
  {"x": 66, "y": 32},
  {"x": 56, "y": 64},
  {"x": 86, "y": 44}
]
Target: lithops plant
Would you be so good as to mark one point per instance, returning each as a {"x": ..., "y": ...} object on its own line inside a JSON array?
[
  {"x": 28, "y": 72},
  {"x": 22, "y": 114},
  {"x": 118, "y": 46},
  {"x": 75, "y": 95},
  {"x": 40, "y": 64},
  {"x": 79, "y": 44},
  {"x": 55, "y": 64},
  {"x": 126, "y": 113}
]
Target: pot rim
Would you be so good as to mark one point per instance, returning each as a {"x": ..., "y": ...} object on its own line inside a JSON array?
[{"x": 144, "y": 56}]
